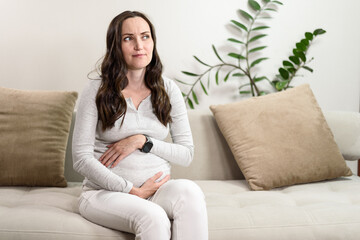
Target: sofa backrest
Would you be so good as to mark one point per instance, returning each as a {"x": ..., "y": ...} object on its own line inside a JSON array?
[{"x": 213, "y": 159}]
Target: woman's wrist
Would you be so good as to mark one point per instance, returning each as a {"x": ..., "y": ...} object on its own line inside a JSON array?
[
  {"x": 135, "y": 191},
  {"x": 141, "y": 139}
]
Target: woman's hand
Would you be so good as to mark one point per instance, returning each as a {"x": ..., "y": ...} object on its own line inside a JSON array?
[
  {"x": 150, "y": 186},
  {"x": 119, "y": 150}
]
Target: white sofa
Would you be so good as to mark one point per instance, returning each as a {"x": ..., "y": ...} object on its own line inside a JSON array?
[{"x": 323, "y": 210}]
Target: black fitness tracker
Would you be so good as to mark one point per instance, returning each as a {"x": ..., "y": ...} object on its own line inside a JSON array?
[{"x": 147, "y": 145}]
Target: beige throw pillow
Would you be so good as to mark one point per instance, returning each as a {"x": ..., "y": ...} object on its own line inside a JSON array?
[
  {"x": 34, "y": 128},
  {"x": 281, "y": 139}
]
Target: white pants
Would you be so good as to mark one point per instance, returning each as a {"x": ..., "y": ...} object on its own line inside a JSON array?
[{"x": 179, "y": 200}]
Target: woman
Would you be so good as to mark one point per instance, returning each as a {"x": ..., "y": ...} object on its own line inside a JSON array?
[{"x": 118, "y": 144}]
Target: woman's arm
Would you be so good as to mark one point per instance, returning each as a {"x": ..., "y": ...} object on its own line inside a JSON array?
[
  {"x": 181, "y": 151},
  {"x": 84, "y": 141}
]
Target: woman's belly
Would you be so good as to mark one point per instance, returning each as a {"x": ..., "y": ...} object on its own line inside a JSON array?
[{"x": 139, "y": 167}]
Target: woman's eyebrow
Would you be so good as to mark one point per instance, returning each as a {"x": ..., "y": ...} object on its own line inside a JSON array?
[{"x": 146, "y": 32}]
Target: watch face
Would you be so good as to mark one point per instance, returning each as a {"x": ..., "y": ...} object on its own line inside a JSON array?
[{"x": 147, "y": 147}]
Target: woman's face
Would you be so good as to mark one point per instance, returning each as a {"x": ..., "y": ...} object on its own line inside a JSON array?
[{"x": 136, "y": 43}]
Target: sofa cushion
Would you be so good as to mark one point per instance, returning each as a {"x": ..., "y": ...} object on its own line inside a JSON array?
[
  {"x": 42, "y": 213},
  {"x": 281, "y": 139},
  {"x": 322, "y": 210},
  {"x": 346, "y": 129},
  {"x": 34, "y": 128}
]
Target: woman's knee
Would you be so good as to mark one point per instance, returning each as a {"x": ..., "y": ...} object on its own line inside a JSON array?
[
  {"x": 189, "y": 189},
  {"x": 152, "y": 222}
]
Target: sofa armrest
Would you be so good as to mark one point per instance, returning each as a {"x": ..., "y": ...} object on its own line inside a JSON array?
[{"x": 345, "y": 127}]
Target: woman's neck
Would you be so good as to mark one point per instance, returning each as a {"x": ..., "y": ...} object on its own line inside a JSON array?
[{"x": 136, "y": 79}]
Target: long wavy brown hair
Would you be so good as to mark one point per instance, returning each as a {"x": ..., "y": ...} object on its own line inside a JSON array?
[{"x": 110, "y": 102}]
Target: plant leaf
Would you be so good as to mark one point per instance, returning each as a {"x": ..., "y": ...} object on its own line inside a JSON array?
[
  {"x": 240, "y": 25},
  {"x": 294, "y": 60},
  {"x": 227, "y": 76},
  {"x": 267, "y": 1},
  {"x": 216, "y": 53},
  {"x": 254, "y": 5},
  {"x": 203, "y": 88},
  {"x": 262, "y": 93},
  {"x": 257, "y": 61},
  {"x": 260, "y": 28},
  {"x": 244, "y": 92},
  {"x": 246, "y": 15},
  {"x": 201, "y": 61},
  {"x": 235, "y": 40},
  {"x": 190, "y": 74},
  {"x": 257, "y": 37},
  {"x": 238, "y": 75},
  {"x": 183, "y": 94},
  {"x": 305, "y": 42},
  {"x": 258, "y": 79},
  {"x": 281, "y": 85},
  {"x": 287, "y": 64},
  {"x": 302, "y": 56},
  {"x": 195, "y": 97},
  {"x": 189, "y": 84},
  {"x": 319, "y": 31},
  {"x": 191, "y": 105},
  {"x": 300, "y": 46},
  {"x": 264, "y": 17},
  {"x": 257, "y": 49},
  {"x": 291, "y": 70},
  {"x": 271, "y": 9},
  {"x": 277, "y": 2},
  {"x": 296, "y": 52},
  {"x": 217, "y": 77},
  {"x": 309, "y": 36},
  {"x": 307, "y": 68},
  {"x": 284, "y": 74},
  {"x": 235, "y": 55}
]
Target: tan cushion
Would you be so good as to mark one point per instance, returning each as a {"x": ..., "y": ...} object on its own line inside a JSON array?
[
  {"x": 281, "y": 139},
  {"x": 34, "y": 127}
]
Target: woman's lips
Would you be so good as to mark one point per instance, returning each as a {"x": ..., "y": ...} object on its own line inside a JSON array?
[{"x": 138, "y": 55}]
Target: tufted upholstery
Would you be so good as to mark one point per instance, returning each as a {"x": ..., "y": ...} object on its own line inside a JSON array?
[
  {"x": 47, "y": 213},
  {"x": 310, "y": 211},
  {"x": 323, "y": 210}
]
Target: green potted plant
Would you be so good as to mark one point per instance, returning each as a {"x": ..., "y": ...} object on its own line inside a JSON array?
[{"x": 244, "y": 61}]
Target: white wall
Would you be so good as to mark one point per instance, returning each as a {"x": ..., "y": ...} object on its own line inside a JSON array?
[{"x": 54, "y": 44}]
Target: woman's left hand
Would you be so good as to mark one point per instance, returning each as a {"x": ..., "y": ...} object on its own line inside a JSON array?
[{"x": 119, "y": 150}]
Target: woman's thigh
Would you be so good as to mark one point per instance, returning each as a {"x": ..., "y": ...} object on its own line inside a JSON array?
[
  {"x": 121, "y": 211},
  {"x": 178, "y": 192},
  {"x": 184, "y": 203}
]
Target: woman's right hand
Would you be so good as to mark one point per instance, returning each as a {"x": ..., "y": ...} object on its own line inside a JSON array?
[{"x": 150, "y": 186}]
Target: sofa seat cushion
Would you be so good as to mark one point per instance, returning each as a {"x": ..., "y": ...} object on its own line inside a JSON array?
[
  {"x": 322, "y": 210},
  {"x": 47, "y": 213}
]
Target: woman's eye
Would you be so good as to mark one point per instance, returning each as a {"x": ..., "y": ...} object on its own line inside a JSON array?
[
  {"x": 127, "y": 39},
  {"x": 146, "y": 37}
]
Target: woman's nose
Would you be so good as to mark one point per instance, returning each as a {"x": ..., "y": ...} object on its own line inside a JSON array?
[{"x": 138, "y": 44}]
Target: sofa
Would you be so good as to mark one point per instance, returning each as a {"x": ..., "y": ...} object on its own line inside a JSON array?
[{"x": 320, "y": 210}]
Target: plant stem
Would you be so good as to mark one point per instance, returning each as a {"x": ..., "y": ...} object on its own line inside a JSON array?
[
  {"x": 208, "y": 70},
  {"x": 248, "y": 70}
]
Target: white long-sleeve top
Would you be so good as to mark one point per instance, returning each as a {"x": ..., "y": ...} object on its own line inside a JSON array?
[{"x": 89, "y": 141}]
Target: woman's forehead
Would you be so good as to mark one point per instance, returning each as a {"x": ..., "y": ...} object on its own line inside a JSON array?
[{"x": 135, "y": 25}]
